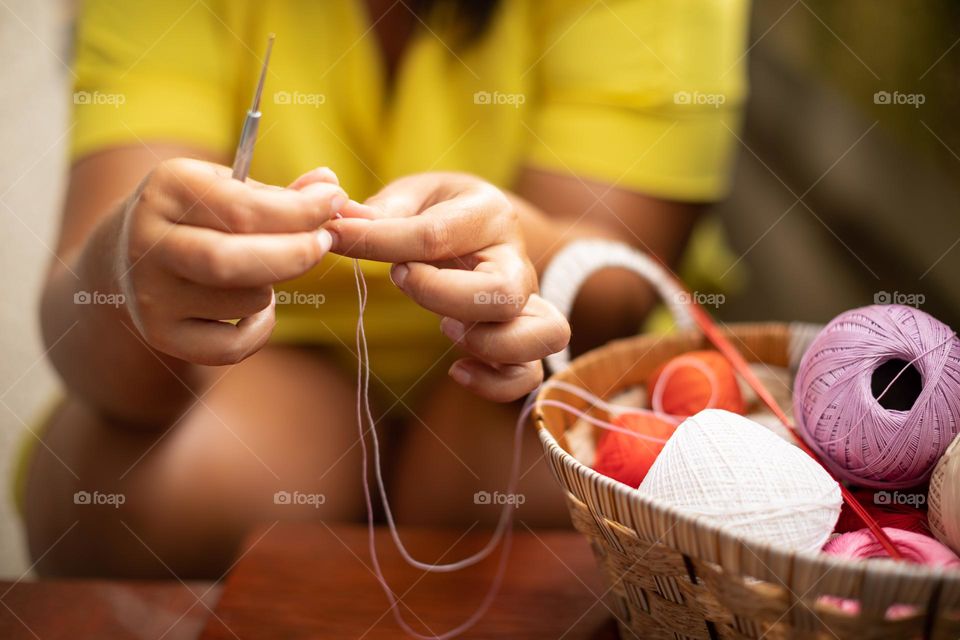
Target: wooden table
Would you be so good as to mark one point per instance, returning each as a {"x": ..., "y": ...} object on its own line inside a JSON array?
[
  {"x": 312, "y": 581},
  {"x": 114, "y": 609}
]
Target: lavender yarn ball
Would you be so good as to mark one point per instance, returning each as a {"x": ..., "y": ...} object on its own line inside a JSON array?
[{"x": 877, "y": 395}]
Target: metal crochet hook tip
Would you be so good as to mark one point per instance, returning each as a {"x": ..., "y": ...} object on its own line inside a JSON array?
[
  {"x": 255, "y": 106},
  {"x": 248, "y": 135}
]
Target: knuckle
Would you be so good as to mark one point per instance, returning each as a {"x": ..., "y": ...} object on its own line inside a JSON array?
[
  {"x": 165, "y": 171},
  {"x": 482, "y": 343},
  {"x": 139, "y": 242},
  {"x": 558, "y": 337},
  {"x": 505, "y": 216},
  {"x": 169, "y": 173},
  {"x": 309, "y": 212},
  {"x": 233, "y": 352},
  {"x": 510, "y": 297},
  {"x": 238, "y": 215},
  {"x": 163, "y": 190},
  {"x": 507, "y": 213},
  {"x": 514, "y": 292},
  {"x": 171, "y": 167},
  {"x": 155, "y": 333},
  {"x": 530, "y": 282},
  {"x": 534, "y": 377},
  {"x": 261, "y": 298},
  {"x": 217, "y": 262},
  {"x": 149, "y": 193},
  {"x": 243, "y": 346},
  {"x": 420, "y": 283},
  {"x": 436, "y": 240},
  {"x": 146, "y": 303},
  {"x": 304, "y": 254}
]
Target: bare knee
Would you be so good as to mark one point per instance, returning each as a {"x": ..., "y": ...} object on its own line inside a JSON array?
[
  {"x": 106, "y": 499},
  {"x": 468, "y": 443}
]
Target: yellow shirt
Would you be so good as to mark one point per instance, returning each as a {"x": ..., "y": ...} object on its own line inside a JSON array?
[{"x": 638, "y": 93}]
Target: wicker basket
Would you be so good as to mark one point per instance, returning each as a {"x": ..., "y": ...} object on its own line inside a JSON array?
[{"x": 673, "y": 576}]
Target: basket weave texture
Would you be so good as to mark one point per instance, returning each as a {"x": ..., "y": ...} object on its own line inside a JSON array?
[{"x": 673, "y": 576}]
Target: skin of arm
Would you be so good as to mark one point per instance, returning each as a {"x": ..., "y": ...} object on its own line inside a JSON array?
[{"x": 556, "y": 209}]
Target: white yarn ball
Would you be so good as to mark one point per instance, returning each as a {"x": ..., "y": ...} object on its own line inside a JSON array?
[
  {"x": 944, "y": 497},
  {"x": 735, "y": 473}
]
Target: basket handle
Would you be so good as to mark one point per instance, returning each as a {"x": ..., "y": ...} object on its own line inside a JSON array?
[{"x": 579, "y": 260}]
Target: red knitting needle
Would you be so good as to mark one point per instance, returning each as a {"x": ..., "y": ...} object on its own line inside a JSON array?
[{"x": 723, "y": 345}]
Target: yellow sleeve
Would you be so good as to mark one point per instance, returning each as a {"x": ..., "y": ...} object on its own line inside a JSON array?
[
  {"x": 642, "y": 93},
  {"x": 155, "y": 71}
]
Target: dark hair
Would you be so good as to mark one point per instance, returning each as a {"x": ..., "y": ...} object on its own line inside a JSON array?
[{"x": 470, "y": 17}]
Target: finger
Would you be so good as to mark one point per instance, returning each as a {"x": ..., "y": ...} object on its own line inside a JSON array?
[
  {"x": 409, "y": 195},
  {"x": 218, "y": 259},
  {"x": 180, "y": 299},
  {"x": 538, "y": 332},
  {"x": 446, "y": 230},
  {"x": 232, "y": 206},
  {"x": 501, "y": 384},
  {"x": 354, "y": 209},
  {"x": 215, "y": 343},
  {"x": 493, "y": 292},
  {"x": 320, "y": 174}
]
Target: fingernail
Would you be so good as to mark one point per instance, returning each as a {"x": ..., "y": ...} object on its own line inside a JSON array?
[
  {"x": 325, "y": 240},
  {"x": 398, "y": 274},
  {"x": 327, "y": 171},
  {"x": 460, "y": 374},
  {"x": 317, "y": 189},
  {"x": 337, "y": 202},
  {"x": 453, "y": 329}
]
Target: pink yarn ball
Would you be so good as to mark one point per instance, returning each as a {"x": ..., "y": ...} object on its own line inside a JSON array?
[
  {"x": 877, "y": 395},
  {"x": 914, "y": 547}
]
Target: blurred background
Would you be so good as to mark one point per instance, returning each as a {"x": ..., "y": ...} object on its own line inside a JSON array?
[{"x": 846, "y": 189}]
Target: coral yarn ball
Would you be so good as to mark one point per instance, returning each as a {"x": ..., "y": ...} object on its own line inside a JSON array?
[
  {"x": 627, "y": 458},
  {"x": 694, "y": 381}
]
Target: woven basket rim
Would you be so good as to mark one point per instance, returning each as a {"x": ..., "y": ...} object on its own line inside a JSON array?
[{"x": 711, "y": 537}]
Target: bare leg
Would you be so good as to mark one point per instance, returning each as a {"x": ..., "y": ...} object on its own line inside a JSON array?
[
  {"x": 283, "y": 420},
  {"x": 463, "y": 444}
]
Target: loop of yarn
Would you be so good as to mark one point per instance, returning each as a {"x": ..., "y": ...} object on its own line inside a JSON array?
[
  {"x": 503, "y": 533},
  {"x": 943, "y": 497},
  {"x": 734, "y": 473},
  {"x": 503, "y": 530},
  {"x": 694, "y": 381},
  {"x": 838, "y": 416}
]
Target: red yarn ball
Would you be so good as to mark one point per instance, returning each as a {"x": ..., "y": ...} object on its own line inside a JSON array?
[
  {"x": 628, "y": 458},
  {"x": 688, "y": 389},
  {"x": 896, "y": 516}
]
